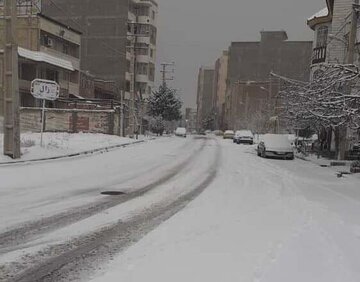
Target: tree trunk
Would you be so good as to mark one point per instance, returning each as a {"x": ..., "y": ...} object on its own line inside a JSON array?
[{"x": 340, "y": 142}]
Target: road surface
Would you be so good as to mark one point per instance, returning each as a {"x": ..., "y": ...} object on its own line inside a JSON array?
[{"x": 195, "y": 209}]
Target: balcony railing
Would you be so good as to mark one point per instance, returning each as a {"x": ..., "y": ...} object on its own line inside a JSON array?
[{"x": 319, "y": 55}]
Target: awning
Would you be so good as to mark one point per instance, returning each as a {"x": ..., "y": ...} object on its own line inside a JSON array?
[{"x": 46, "y": 58}]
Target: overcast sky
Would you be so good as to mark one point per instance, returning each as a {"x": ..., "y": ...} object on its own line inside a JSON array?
[{"x": 194, "y": 32}]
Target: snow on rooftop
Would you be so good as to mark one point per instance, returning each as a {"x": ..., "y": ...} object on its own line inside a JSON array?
[{"x": 323, "y": 13}]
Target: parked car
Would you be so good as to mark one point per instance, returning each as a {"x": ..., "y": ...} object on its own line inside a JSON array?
[
  {"x": 229, "y": 134},
  {"x": 276, "y": 146},
  {"x": 218, "y": 133},
  {"x": 180, "y": 131},
  {"x": 244, "y": 137}
]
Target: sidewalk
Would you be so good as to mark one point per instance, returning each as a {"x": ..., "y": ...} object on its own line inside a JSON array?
[
  {"x": 326, "y": 163},
  {"x": 62, "y": 145}
]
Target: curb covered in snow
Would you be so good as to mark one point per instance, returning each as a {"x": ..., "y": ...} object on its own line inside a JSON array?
[{"x": 83, "y": 153}]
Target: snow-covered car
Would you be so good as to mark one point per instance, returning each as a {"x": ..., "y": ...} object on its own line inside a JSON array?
[
  {"x": 180, "y": 131},
  {"x": 275, "y": 146},
  {"x": 218, "y": 133},
  {"x": 244, "y": 137},
  {"x": 229, "y": 134}
]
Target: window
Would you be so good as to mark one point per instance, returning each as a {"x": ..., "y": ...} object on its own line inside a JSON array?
[
  {"x": 142, "y": 29},
  {"x": 27, "y": 71},
  {"x": 143, "y": 11},
  {"x": 153, "y": 15},
  {"x": 152, "y": 53},
  {"x": 66, "y": 76},
  {"x": 142, "y": 68},
  {"x": 66, "y": 49},
  {"x": 52, "y": 75},
  {"x": 142, "y": 49},
  {"x": 321, "y": 37}
]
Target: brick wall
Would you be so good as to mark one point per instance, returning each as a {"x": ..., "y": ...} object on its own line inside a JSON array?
[{"x": 72, "y": 120}]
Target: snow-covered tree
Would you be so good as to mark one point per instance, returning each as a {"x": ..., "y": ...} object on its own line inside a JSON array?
[
  {"x": 157, "y": 125},
  {"x": 165, "y": 103},
  {"x": 330, "y": 100}
]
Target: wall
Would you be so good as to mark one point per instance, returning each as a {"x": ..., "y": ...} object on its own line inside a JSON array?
[
  {"x": 63, "y": 120},
  {"x": 252, "y": 63},
  {"x": 220, "y": 76},
  {"x": 205, "y": 95},
  {"x": 340, "y": 27}
]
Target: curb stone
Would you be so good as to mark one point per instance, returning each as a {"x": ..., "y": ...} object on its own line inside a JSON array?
[{"x": 79, "y": 154}]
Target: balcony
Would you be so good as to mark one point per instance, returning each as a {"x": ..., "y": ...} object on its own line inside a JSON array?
[{"x": 319, "y": 55}]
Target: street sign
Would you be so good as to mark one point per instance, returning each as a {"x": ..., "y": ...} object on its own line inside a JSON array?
[{"x": 45, "y": 89}]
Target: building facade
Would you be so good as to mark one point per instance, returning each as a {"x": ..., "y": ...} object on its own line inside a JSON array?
[
  {"x": 220, "y": 77},
  {"x": 205, "y": 110},
  {"x": 119, "y": 39},
  {"x": 191, "y": 119},
  {"x": 331, "y": 28},
  {"x": 249, "y": 82},
  {"x": 47, "y": 50}
]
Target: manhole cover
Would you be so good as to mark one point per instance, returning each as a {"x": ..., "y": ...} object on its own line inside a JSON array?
[{"x": 112, "y": 193}]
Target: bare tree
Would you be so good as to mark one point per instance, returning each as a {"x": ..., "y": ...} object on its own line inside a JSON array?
[{"x": 331, "y": 99}]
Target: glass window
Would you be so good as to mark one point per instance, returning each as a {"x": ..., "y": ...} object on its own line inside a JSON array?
[
  {"x": 142, "y": 68},
  {"x": 322, "y": 35}
]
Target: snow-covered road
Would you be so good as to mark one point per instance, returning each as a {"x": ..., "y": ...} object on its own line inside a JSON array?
[
  {"x": 260, "y": 220},
  {"x": 195, "y": 209}
]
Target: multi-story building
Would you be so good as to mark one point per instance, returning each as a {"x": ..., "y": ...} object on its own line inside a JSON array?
[
  {"x": 119, "y": 38},
  {"x": 331, "y": 28},
  {"x": 205, "y": 110},
  {"x": 191, "y": 119},
  {"x": 249, "y": 85},
  {"x": 143, "y": 18},
  {"x": 48, "y": 50},
  {"x": 220, "y": 77}
]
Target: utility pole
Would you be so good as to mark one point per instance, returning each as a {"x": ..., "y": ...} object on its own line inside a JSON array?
[
  {"x": 11, "y": 83},
  {"x": 132, "y": 111},
  {"x": 164, "y": 71}
]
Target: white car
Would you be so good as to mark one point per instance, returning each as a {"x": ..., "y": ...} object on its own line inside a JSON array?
[
  {"x": 229, "y": 134},
  {"x": 275, "y": 146},
  {"x": 180, "y": 131},
  {"x": 244, "y": 137}
]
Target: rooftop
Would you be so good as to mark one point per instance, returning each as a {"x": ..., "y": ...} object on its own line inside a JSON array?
[{"x": 323, "y": 13}]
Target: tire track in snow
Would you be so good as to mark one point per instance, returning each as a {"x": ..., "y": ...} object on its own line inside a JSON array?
[
  {"x": 83, "y": 254},
  {"x": 13, "y": 239}
]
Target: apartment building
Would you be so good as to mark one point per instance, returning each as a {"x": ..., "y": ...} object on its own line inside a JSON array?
[
  {"x": 331, "y": 28},
  {"x": 220, "y": 77},
  {"x": 205, "y": 110},
  {"x": 249, "y": 86},
  {"x": 48, "y": 50},
  {"x": 118, "y": 42},
  {"x": 191, "y": 119}
]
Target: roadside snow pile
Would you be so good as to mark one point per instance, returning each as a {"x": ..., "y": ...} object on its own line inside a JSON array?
[{"x": 60, "y": 144}]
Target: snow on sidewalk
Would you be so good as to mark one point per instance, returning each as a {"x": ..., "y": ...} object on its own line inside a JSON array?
[
  {"x": 61, "y": 144},
  {"x": 260, "y": 221}
]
